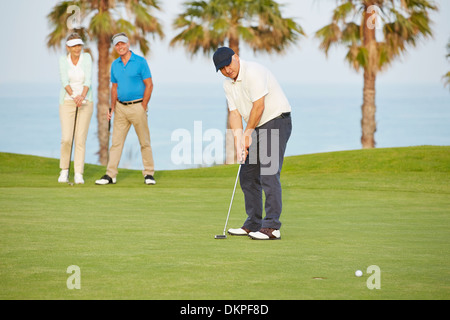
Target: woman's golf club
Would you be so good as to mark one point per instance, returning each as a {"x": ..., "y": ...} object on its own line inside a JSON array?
[
  {"x": 109, "y": 135},
  {"x": 223, "y": 236},
  {"x": 71, "y": 147}
]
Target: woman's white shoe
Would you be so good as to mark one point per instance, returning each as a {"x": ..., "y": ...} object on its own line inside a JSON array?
[
  {"x": 64, "y": 176},
  {"x": 79, "y": 178}
]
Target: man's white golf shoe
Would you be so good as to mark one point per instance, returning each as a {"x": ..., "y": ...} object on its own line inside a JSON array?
[
  {"x": 239, "y": 232},
  {"x": 105, "y": 180},
  {"x": 265, "y": 234}
]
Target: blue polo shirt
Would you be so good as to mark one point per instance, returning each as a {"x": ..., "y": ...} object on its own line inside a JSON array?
[{"x": 130, "y": 77}]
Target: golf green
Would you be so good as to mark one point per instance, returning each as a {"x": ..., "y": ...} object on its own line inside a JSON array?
[{"x": 342, "y": 212}]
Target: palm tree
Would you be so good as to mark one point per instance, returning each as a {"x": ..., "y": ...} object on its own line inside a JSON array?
[
  {"x": 106, "y": 17},
  {"x": 375, "y": 32},
  {"x": 207, "y": 25}
]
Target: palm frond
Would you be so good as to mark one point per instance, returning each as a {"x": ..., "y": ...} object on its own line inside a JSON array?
[
  {"x": 58, "y": 22},
  {"x": 351, "y": 33},
  {"x": 404, "y": 24},
  {"x": 329, "y": 35},
  {"x": 352, "y": 53},
  {"x": 125, "y": 26},
  {"x": 144, "y": 20},
  {"x": 447, "y": 79},
  {"x": 259, "y": 23},
  {"x": 343, "y": 11},
  {"x": 102, "y": 24}
]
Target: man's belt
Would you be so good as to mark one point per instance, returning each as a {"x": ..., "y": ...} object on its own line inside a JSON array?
[
  {"x": 284, "y": 115},
  {"x": 126, "y": 103}
]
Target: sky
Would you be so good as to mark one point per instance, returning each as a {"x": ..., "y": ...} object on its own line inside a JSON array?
[{"x": 26, "y": 59}]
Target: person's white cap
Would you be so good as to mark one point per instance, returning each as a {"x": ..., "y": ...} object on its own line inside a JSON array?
[
  {"x": 74, "y": 42},
  {"x": 120, "y": 37}
]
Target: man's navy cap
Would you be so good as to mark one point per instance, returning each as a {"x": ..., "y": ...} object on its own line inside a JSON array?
[{"x": 222, "y": 57}]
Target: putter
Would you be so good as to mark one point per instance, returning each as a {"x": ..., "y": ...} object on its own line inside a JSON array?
[
  {"x": 224, "y": 236},
  {"x": 71, "y": 147},
  {"x": 109, "y": 137}
]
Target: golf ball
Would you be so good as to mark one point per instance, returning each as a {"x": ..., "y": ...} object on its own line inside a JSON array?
[{"x": 358, "y": 273}]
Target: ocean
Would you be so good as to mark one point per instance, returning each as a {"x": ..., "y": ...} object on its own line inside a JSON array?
[{"x": 325, "y": 118}]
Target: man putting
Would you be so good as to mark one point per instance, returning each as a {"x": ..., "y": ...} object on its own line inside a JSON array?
[
  {"x": 254, "y": 94},
  {"x": 131, "y": 90}
]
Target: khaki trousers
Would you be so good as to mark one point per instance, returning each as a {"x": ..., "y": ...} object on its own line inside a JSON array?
[
  {"x": 67, "y": 118},
  {"x": 124, "y": 117}
]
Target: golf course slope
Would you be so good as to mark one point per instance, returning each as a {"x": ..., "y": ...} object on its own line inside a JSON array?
[{"x": 342, "y": 212}]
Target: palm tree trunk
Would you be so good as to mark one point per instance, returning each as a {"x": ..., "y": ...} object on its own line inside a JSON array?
[
  {"x": 368, "y": 123},
  {"x": 103, "y": 98},
  {"x": 234, "y": 45}
]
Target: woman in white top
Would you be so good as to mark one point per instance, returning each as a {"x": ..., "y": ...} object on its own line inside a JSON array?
[{"x": 76, "y": 75}]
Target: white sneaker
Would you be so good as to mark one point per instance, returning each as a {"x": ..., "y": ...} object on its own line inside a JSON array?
[
  {"x": 266, "y": 234},
  {"x": 64, "y": 176},
  {"x": 79, "y": 178},
  {"x": 238, "y": 232},
  {"x": 106, "y": 180}
]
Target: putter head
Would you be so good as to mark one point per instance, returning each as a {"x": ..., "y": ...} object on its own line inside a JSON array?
[{"x": 220, "y": 236}]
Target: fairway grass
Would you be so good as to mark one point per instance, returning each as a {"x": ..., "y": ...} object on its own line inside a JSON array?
[{"x": 342, "y": 212}]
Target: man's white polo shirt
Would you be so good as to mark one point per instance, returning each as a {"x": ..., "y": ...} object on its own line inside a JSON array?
[{"x": 254, "y": 82}]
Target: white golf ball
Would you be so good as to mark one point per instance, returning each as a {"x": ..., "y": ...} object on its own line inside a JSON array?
[{"x": 358, "y": 273}]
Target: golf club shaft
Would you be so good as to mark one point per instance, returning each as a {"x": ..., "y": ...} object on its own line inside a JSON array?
[
  {"x": 109, "y": 122},
  {"x": 232, "y": 197},
  {"x": 109, "y": 137},
  {"x": 73, "y": 138}
]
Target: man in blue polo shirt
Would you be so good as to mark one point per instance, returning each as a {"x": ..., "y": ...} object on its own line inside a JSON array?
[{"x": 131, "y": 90}]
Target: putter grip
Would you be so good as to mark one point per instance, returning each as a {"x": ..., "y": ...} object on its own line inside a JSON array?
[{"x": 109, "y": 122}]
